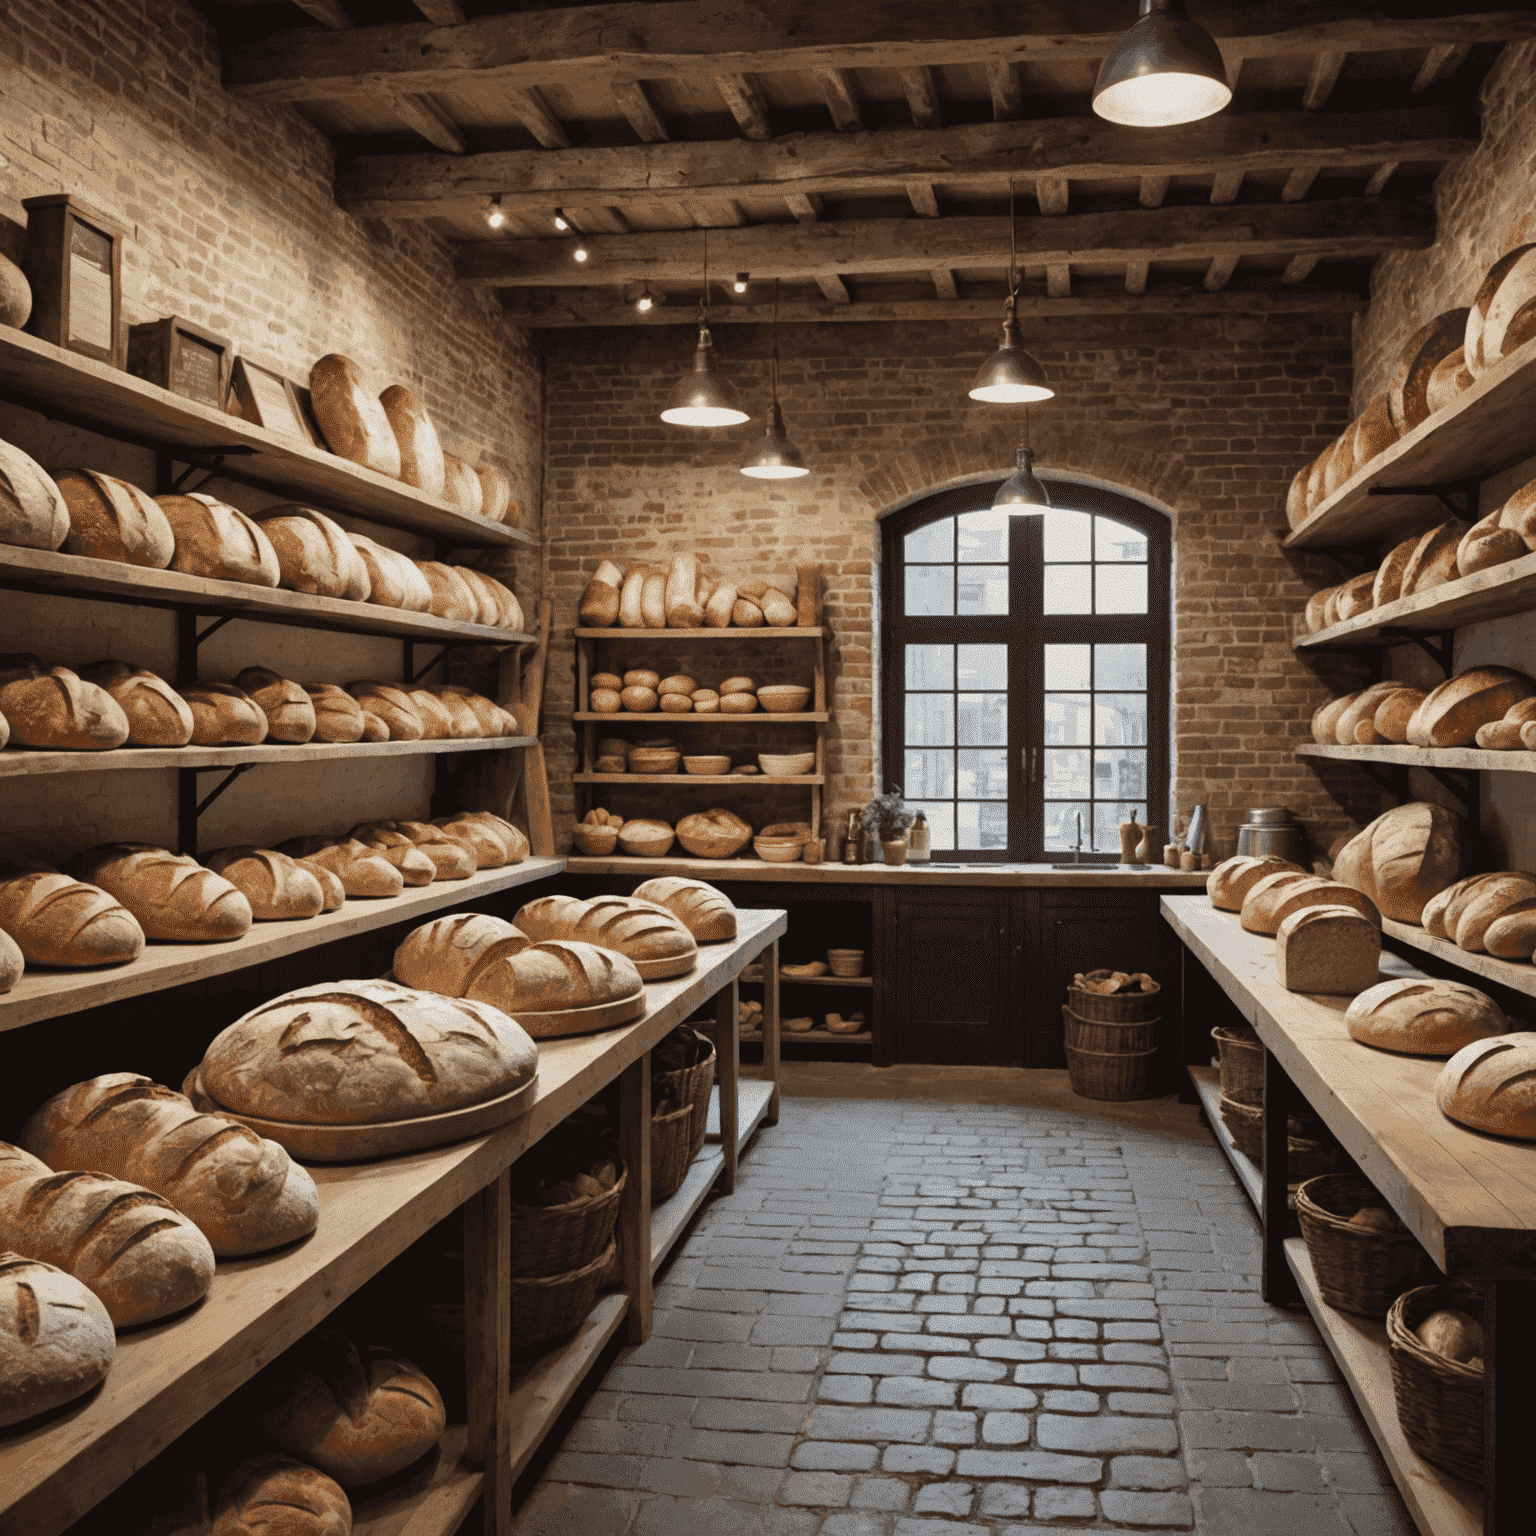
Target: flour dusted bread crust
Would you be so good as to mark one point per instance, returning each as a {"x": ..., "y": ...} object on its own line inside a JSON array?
[
  {"x": 272, "y": 1495},
  {"x": 1453, "y": 712},
  {"x": 243, "y": 1191},
  {"x": 224, "y": 715},
  {"x": 157, "y": 715},
  {"x": 1491, "y": 1086},
  {"x": 393, "y": 579},
  {"x": 58, "y": 920},
  {"x": 646, "y": 837},
  {"x": 351, "y": 416},
  {"x": 363, "y": 871},
  {"x": 278, "y": 887},
  {"x": 1388, "y": 586},
  {"x": 555, "y": 976},
  {"x": 390, "y": 703},
  {"x": 218, "y": 541},
  {"x": 109, "y": 519},
  {"x": 1404, "y": 857},
  {"x": 452, "y": 596},
  {"x": 357, "y": 1414},
  {"x": 365, "y": 1052},
  {"x": 1276, "y": 897},
  {"x": 172, "y": 896},
  {"x": 54, "y": 708},
  {"x": 1424, "y": 1017},
  {"x": 1327, "y": 948},
  {"x": 1407, "y": 396},
  {"x": 33, "y": 512},
  {"x": 649, "y": 935},
  {"x": 600, "y": 602},
  {"x": 1395, "y": 712},
  {"x": 1433, "y": 561},
  {"x": 707, "y": 913},
  {"x": 421, "y": 450},
  {"x": 461, "y": 485},
  {"x": 314, "y": 553},
  {"x": 285, "y": 705},
  {"x": 449, "y": 860},
  {"x": 1230, "y": 882},
  {"x": 332, "y": 891},
  {"x": 56, "y": 1340},
  {"x": 445, "y": 955}
]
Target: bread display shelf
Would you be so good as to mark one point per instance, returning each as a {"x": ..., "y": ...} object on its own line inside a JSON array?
[
  {"x": 764, "y": 632},
  {"x": 697, "y": 778},
  {"x": 1486, "y": 429},
  {"x": 670, "y": 1219},
  {"x": 657, "y": 717},
  {"x": 1463, "y": 758},
  {"x": 431, "y": 1502},
  {"x": 45, "y": 378},
  {"x": 819, "y": 1036},
  {"x": 1516, "y": 976},
  {"x": 23, "y": 762},
  {"x": 48, "y": 994},
  {"x": 1207, "y": 1081},
  {"x": 1494, "y": 593},
  {"x": 107, "y": 579},
  {"x": 1089, "y": 877}
]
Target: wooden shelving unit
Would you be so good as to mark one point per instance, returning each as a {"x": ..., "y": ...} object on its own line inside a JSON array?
[
  {"x": 1518, "y": 976},
  {"x": 698, "y": 778},
  {"x": 1463, "y": 759},
  {"x": 656, "y": 718},
  {"x": 1207, "y": 1082}
]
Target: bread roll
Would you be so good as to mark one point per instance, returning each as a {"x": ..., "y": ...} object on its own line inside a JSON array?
[
  {"x": 649, "y": 935},
  {"x": 452, "y": 596},
  {"x": 314, "y": 554},
  {"x": 496, "y": 495},
  {"x": 172, "y": 896},
  {"x": 1393, "y": 713},
  {"x": 338, "y": 716},
  {"x": 1276, "y": 897},
  {"x": 461, "y": 485},
  {"x": 33, "y": 512},
  {"x": 218, "y": 541},
  {"x": 1404, "y": 857},
  {"x": 394, "y": 581},
  {"x": 273, "y": 1496},
  {"x": 363, "y": 871},
  {"x": 351, "y": 417},
  {"x": 646, "y": 837},
  {"x": 1229, "y": 882},
  {"x": 1329, "y": 949},
  {"x": 631, "y": 613},
  {"x": 653, "y": 600},
  {"x": 109, "y": 519},
  {"x": 600, "y": 602},
  {"x": 1491, "y": 1086},
  {"x": 676, "y": 703},
  {"x": 495, "y": 842},
  {"x": 332, "y": 891},
  {"x": 392, "y": 704},
  {"x": 681, "y": 608},
  {"x": 224, "y": 715},
  {"x": 737, "y": 685},
  {"x": 12, "y": 962},
  {"x": 243, "y": 1191},
  {"x": 289, "y": 715},
  {"x": 52, "y": 707},
  {"x": 157, "y": 715},
  {"x": 714, "y": 834},
  {"x": 745, "y": 614},
  {"x": 407, "y": 1054},
  {"x": 707, "y": 913},
  {"x": 58, "y": 920},
  {"x": 1433, "y": 562},
  {"x": 1407, "y": 401},
  {"x": 1423, "y": 1017},
  {"x": 56, "y": 1339},
  {"x": 278, "y": 887},
  {"x": 720, "y": 607},
  {"x": 705, "y": 701},
  {"x": 1451, "y": 714},
  {"x": 421, "y": 451},
  {"x": 1450, "y": 378},
  {"x": 1390, "y": 573}
]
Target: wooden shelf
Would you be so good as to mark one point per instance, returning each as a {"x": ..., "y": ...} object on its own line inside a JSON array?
[
  {"x": 1207, "y": 1081},
  {"x": 1485, "y": 429},
  {"x": 752, "y": 1099},
  {"x": 41, "y": 377},
  {"x": 43, "y": 570},
  {"x": 764, "y": 632},
  {"x": 1518, "y": 976},
  {"x": 660, "y": 717},
  {"x": 697, "y": 778},
  {"x": 1441, "y": 1505},
  {"x": 1491, "y": 594},
  {"x": 823, "y": 981},
  {"x": 819, "y": 1036},
  {"x": 670, "y": 1217},
  {"x": 433, "y": 1502},
  {"x": 1472, "y": 759},
  {"x": 24, "y": 762}
]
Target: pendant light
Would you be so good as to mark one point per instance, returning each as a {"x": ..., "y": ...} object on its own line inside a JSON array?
[
  {"x": 702, "y": 398},
  {"x": 1011, "y": 376},
  {"x": 1165, "y": 69},
  {"x": 776, "y": 458},
  {"x": 1022, "y": 494}
]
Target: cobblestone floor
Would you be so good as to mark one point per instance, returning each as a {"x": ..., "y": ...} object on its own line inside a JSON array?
[{"x": 922, "y": 1319}]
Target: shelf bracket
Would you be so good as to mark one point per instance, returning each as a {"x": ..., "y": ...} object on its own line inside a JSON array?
[
  {"x": 1438, "y": 645},
  {"x": 189, "y": 640},
  {"x": 419, "y": 673},
  {"x": 1462, "y": 785},
  {"x": 189, "y": 809},
  {"x": 1441, "y": 493}
]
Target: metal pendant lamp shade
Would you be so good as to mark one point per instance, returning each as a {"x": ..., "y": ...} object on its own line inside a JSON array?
[
  {"x": 1011, "y": 376},
  {"x": 775, "y": 458},
  {"x": 1021, "y": 494},
  {"x": 1165, "y": 69},
  {"x": 702, "y": 398}
]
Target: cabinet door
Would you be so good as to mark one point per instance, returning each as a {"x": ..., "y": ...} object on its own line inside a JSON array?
[{"x": 953, "y": 1003}]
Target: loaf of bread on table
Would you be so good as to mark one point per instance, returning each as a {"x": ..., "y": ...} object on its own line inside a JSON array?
[
  {"x": 56, "y": 1339},
  {"x": 1327, "y": 948},
  {"x": 132, "y": 1247},
  {"x": 461, "y": 485},
  {"x": 242, "y": 1190},
  {"x": 421, "y": 451},
  {"x": 314, "y": 553},
  {"x": 338, "y": 716},
  {"x": 1420, "y": 1016},
  {"x": 58, "y": 920},
  {"x": 1229, "y": 882},
  {"x": 351, "y": 416},
  {"x": 1488, "y": 1085},
  {"x": 357, "y": 1414},
  {"x": 1433, "y": 562},
  {"x": 447, "y": 954},
  {"x": 708, "y": 914},
  {"x": 496, "y": 496},
  {"x": 495, "y": 842},
  {"x": 33, "y": 513},
  {"x": 1395, "y": 713},
  {"x": 363, "y": 1052},
  {"x": 1505, "y": 734},
  {"x": 157, "y": 715},
  {"x": 172, "y": 896},
  {"x": 600, "y": 602},
  {"x": 218, "y": 541},
  {"x": 363, "y": 871},
  {"x": 12, "y": 962},
  {"x": 56, "y": 709},
  {"x": 277, "y": 886},
  {"x": 223, "y": 715},
  {"x": 109, "y": 519},
  {"x": 1453, "y": 712},
  {"x": 649, "y": 935},
  {"x": 273, "y": 1495},
  {"x": 1404, "y": 857},
  {"x": 285, "y": 705},
  {"x": 450, "y": 860},
  {"x": 1276, "y": 897},
  {"x": 393, "y": 579}
]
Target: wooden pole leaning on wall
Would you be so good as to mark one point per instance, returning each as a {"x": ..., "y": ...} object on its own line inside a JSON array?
[{"x": 532, "y": 797}]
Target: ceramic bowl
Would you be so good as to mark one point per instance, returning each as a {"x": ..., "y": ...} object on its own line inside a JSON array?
[
  {"x": 783, "y": 698},
  {"x": 613, "y": 765},
  {"x": 846, "y": 962},
  {"x": 654, "y": 760},
  {"x": 786, "y": 765},
  {"x": 707, "y": 765},
  {"x": 776, "y": 853},
  {"x": 596, "y": 841}
]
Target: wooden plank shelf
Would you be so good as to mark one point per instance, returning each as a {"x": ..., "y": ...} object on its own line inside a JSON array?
[
  {"x": 1494, "y": 593},
  {"x": 1487, "y": 428},
  {"x": 752, "y": 1099},
  {"x": 697, "y": 778},
  {"x": 1518, "y": 976},
  {"x": 25, "y": 762},
  {"x": 659, "y": 717},
  {"x": 1207, "y": 1081},
  {"x": 1464, "y": 759},
  {"x": 45, "y": 378},
  {"x": 432, "y": 1502},
  {"x": 1025, "y": 876},
  {"x": 817, "y": 981},
  {"x": 671, "y": 1217},
  {"x": 109, "y": 581},
  {"x": 816, "y": 1036},
  {"x": 763, "y": 632}
]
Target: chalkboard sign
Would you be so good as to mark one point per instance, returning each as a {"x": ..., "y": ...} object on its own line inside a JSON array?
[
  {"x": 183, "y": 358},
  {"x": 74, "y": 263},
  {"x": 268, "y": 399}
]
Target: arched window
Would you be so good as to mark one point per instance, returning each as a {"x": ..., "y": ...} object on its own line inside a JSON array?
[{"x": 1025, "y": 671}]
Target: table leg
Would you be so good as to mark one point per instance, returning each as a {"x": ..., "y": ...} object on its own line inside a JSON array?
[
  {"x": 770, "y": 964},
  {"x": 727, "y": 1060},
  {"x": 635, "y": 1202},
  {"x": 488, "y": 1345},
  {"x": 1509, "y": 1322},
  {"x": 1280, "y": 1096}
]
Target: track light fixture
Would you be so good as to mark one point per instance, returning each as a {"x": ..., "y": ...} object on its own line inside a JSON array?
[
  {"x": 1011, "y": 376},
  {"x": 496, "y": 215},
  {"x": 1165, "y": 69},
  {"x": 702, "y": 398},
  {"x": 775, "y": 458}
]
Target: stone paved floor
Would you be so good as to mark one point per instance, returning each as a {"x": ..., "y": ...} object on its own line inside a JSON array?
[{"x": 929, "y": 1319}]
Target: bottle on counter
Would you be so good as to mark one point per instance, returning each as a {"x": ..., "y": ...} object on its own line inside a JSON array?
[
  {"x": 919, "y": 839},
  {"x": 1130, "y": 838},
  {"x": 854, "y": 838}
]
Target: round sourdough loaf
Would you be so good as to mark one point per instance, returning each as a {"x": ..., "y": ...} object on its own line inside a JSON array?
[
  {"x": 314, "y": 553},
  {"x": 351, "y": 416},
  {"x": 421, "y": 450},
  {"x": 273, "y": 1495},
  {"x": 657, "y": 942},
  {"x": 58, "y": 920},
  {"x": 278, "y": 887},
  {"x": 714, "y": 834},
  {"x": 171, "y": 895},
  {"x": 224, "y": 715},
  {"x": 56, "y": 1340},
  {"x": 392, "y": 704},
  {"x": 109, "y": 519},
  {"x": 445, "y": 954},
  {"x": 1404, "y": 857},
  {"x": 1423, "y": 1017},
  {"x": 363, "y": 871},
  {"x": 1276, "y": 897},
  {"x": 365, "y": 1052},
  {"x": 12, "y": 962},
  {"x": 393, "y": 579},
  {"x": 218, "y": 541},
  {"x": 52, "y": 707},
  {"x": 1230, "y": 881},
  {"x": 33, "y": 512},
  {"x": 707, "y": 913},
  {"x": 285, "y": 705},
  {"x": 157, "y": 715},
  {"x": 552, "y": 977},
  {"x": 1491, "y": 1086}
]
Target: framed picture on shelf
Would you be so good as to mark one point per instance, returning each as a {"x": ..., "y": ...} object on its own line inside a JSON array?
[
  {"x": 74, "y": 262},
  {"x": 267, "y": 399},
  {"x": 183, "y": 358}
]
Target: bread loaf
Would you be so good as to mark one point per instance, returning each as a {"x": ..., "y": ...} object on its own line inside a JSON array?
[
  {"x": 649, "y": 935},
  {"x": 778, "y": 608},
  {"x": 1394, "y": 711},
  {"x": 157, "y": 715},
  {"x": 646, "y": 837},
  {"x": 365, "y": 1052},
  {"x": 52, "y": 707},
  {"x": 452, "y": 596},
  {"x": 1452, "y": 713},
  {"x": 1450, "y": 378},
  {"x": 363, "y": 871},
  {"x": 285, "y": 705},
  {"x": 314, "y": 553},
  {"x": 338, "y": 716},
  {"x": 1360, "y": 710},
  {"x": 1519, "y": 513},
  {"x": 273, "y": 1496},
  {"x": 1296, "y": 507},
  {"x": 1443, "y": 910},
  {"x": 351, "y": 416},
  {"x": 1512, "y": 935},
  {"x": 486, "y": 600},
  {"x": 1433, "y": 562},
  {"x": 631, "y": 614},
  {"x": 1325, "y": 719},
  {"x": 1404, "y": 857},
  {"x": 333, "y": 892},
  {"x": 33, "y": 512},
  {"x": 392, "y": 704},
  {"x": 1327, "y": 948},
  {"x": 1488, "y": 543},
  {"x": 495, "y": 842},
  {"x": 58, "y": 920},
  {"x": 445, "y": 955},
  {"x": 681, "y": 608},
  {"x": 1504, "y": 893},
  {"x": 721, "y": 605},
  {"x": 1389, "y": 574},
  {"x": 243, "y": 1191},
  {"x": 1314, "y": 616},
  {"x": 496, "y": 496},
  {"x": 218, "y": 541},
  {"x": 745, "y": 614},
  {"x": 278, "y": 887},
  {"x": 1315, "y": 480},
  {"x": 224, "y": 715},
  {"x": 450, "y": 860},
  {"x": 1407, "y": 396},
  {"x": 1374, "y": 432},
  {"x": 1504, "y": 735},
  {"x": 705, "y": 912},
  {"x": 1275, "y": 897},
  {"x": 56, "y": 1340},
  {"x": 1511, "y": 302},
  {"x": 112, "y": 520},
  {"x": 421, "y": 452},
  {"x": 1229, "y": 882},
  {"x": 600, "y": 602},
  {"x": 394, "y": 580},
  {"x": 357, "y": 1415},
  {"x": 172, "y": 896},
  {"x": 461, "y": 485},
  {"x": 133, "y": 1248},
  {"x": 12, "y": 962},
  {"x": 1339, "y": 464},
  {"x": 714, "y": 834},
  {"x": 1356, "y": 595},
  {"x": 1491, "y": 1086},
  {"x": 504, "y": 610},
  {"x": 553, "y": 977},
  {"x": 1423, "y": 1017},
  {"x": 1480, "y": 358}
]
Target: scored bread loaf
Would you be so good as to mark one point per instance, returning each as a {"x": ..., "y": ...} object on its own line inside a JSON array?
[
  {"x": 1360, "y": 709},
  {"x": 218, "y": 541},
  {"x": 1437, "y": 918},
  {"x": 1355, "y": 597},
  {"x": 58, "y": 920},
  {"x": 496, "y": 504},
  {"x": 12, "y": 962},
  {"x": 1276, "y": 897},
  {"x": 452, "y": 596},
  {"x": 1404, "y": 857},
  {"x": 52, "y": 707},
  {"x": 338, "y": 716},
  {"x": 243, "y": 1191},
  {"x": 1433, "y": 561},
  {"x": 1488, "y": 543},
  {"x": 1491, "y": 1086},
  {"x": 461, "y": 485},
  {"x": 450, "y": 860},
  {"x": 1420, "y": 1016},
  {"x": 285, "y": 705},
  {"x": 1504, "y": 735},
  {"x": 491, "y": 718},
  {"x": 714, "y": 834},
  {"x": 1450, "y": 378},
  {"x": 314, "y": 553},
  {"x": 421, "y": 450},
  {"x": 1374, "y": 432},
  {"x": 1453, "y": 712},
  {"x": 363, "y": 871},
  {"x": 554, "y": 977},
  {"x": 332, "y": 891},
  {"x": 224, "y": 715},
  {"x": 1407, "y": 395},
  {"x": 600, "y": 602},
  {"x": 33, "y": 513},
  {"x": 56, "y": 1339},
  {"x": 446, "y": 954},
  {"x": 350, "y": 416},
  {"x": 278, "y": 887},
  {"x": 109, "y": 519},
  {"x": 1389, "y": 574},
  {"x": 656, "y": 941},
  {"x": 392, "y": 704},
  {"x": 1395, "y": 712},
  {"x": 172, "y": 896},
  {"x": 365, "y": 1052},
  {"x": 1327, "y": 948},
  {"x": 133, "y": 1248},
  {"x": 707, "y": 913},
  {"x": 157, "y": 715},
  {"x": 393, "y": 579},
  {"x": 272, "y": 1495},
  {"x": 495, "y": 842},
  {"x": 1229, "y": 882}
]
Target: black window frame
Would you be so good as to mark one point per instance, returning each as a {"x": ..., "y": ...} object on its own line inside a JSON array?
[{"x": 1027, "y": 630}]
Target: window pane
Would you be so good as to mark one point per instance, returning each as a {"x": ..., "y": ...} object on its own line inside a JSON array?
[
  {"x": 983, "y": 775},
  {"x": 981, "y": 825},
  {"x": 1120, "y": 719},
  {"x": 930, "y": 590},
  {"x": 983, "y": 719},
  {"x": 1121, "y": 589},
  {"x": 983, "y": 666},
  {"x": 929, "y": 775},
  {"x": 933, "y": 666},
  {"x": 1061, "y": 824},
  {"x": 1120, "y": 773},
  {"x": 1066, "y": 666},
  {"x": 1066, "y": 773},
  {"x": 931, "y": 719},
  {"x": 982, "y": 589},
  {"x": 941, "y": 822},
  {"x": 1067, "y": 536},
  {"x": 983, "y": 536},
  {"x": 1107, "y": 816},
  {"x": 934, "y": 541},
  {"x": 1115, "y": 666},
  {"x": 1066, "y": 719},
  {"x": 1068, "y": 589},
  {"x": 1118, "y": 541}
]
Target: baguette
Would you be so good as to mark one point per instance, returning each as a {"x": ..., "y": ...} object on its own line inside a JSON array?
[
  {"x": 285, "y": 705},
  {"x": 394, "y": 580},
  {"x": 363, "y": 871},
  {"x": 721, "y": 605},
  {"x": 109, "y": 519},
  {"x": 653, "y": 600},
  {"x": 56, "y": 1339},
  {"x": 52, "y": 707},
  {"x": 600, "y": 602},
  {"x": 421, "y": 450},
  {"x": 33, "y": 512},
  {"x": 278, "y": 887},
  {"x": 314, "y": 553},
  {"x": 172, "y": 896},
  {"x": 495, "y": 495},
  {"x": 218, "y": 541},
  {"x": 157, "y": 715},
  {"x": 224, "y": 715},
  {"x": 680, "y": 604},
  {"x": 392, "y": 704},
  {"x": 631, "y": 611},
  {"x": 650, "y": 936},
  {"x": 338, "y": 716},
  {"x": 351, "y": 417},
  {"x": 55, "y": 919}
]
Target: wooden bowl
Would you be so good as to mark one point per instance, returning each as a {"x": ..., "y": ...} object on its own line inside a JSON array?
[
  {"x": 596, "y": 841},
  {"x": 846, "y": 962},
  {"x": 783, "y": 698},
  {"x": 800, "y": 831},
  {"x": 786, "y": 765},
  {"x": 646, "y": 837},
  {"x": 654, "y": 760},
  {"x": 612, "y": 764},
  {"x": 707, "y": 765},
  {"x": 775, "y": 852}
]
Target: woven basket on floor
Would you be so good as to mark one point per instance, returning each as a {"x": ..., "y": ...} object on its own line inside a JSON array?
[
  {"x": 1241, "y": 1055},
  {"x": 555, "y": 1239},
  {"x": 1439, "y": 1401},
  {"x": 692, "y": 1085},
  {"x": 1115, "y": 1075},
  {"x": 1245, "y": 1122},
  {"x": 549, "y": 1306},
  {"x": 1113, "y": 1007},
  {"x": 1358, "y": 1269},
  {"x": 1132, "y": 1035},
  {"x": 671, "y": 1152}
]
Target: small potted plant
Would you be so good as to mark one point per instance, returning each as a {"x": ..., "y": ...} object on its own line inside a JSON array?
[{"x": 887, "y": 818}]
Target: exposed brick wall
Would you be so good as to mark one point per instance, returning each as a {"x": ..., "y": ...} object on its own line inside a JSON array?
[{"x": 1206, "y": 417}]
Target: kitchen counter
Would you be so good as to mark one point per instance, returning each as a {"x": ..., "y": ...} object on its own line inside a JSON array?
[{"x": 1092, "y": 876}]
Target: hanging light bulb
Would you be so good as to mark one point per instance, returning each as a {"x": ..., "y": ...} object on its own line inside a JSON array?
[
  {"x": 702, "y": 398},
  {"x": 580, "y": 253},
  {"x": 644, "y": 303},
  {"x": 495, "y": 215},
  {"x": 1021, "y": 494},
  {"x": 775, "y": 458},
  {"x": 1011, "y": 376},
  {"x": 1165, "y": 69},
  {"x": 740, "y": 285},
  {"x": 560, "y": 222}
]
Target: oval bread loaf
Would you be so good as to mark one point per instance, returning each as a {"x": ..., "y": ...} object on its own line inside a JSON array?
[
  {"x": 1437, "y": 917},
  {"x": 1423, "y": 1017},
  {"x": 278, "y": 887},
  {"x": 681, "y": 607},
  {"x": 1393, "y": 713},
  {"x": 707, "y": 913},
  {"x": 1450, "y": 378},
  {"x": 445, "y": 954},
  {"x": 461, "y": 485},
  {"x": 1229, "y": 882},
  {"x": 172, "y": 896},
  {"x": 1452, "y": 713},
  {"x": 333, "y": 892},
  {"x": 600, "y": 602},
  {"x": 338, "y": 716},
  {"x": 56, "y": 1339},
  {"x": 157, "y": 715},
  {"x": 631, "y": 614},
  {"x": 449, "y": 860},
  {"x": 714, "y": 834},
  {"x": 109, "y": 519},
  {"x": 1407, "y": 395},
  {"x": 1389, "y": 574},
  {"x": 1356, "y": 596},
  {"x": 33, "y": 512},
  {"x": 285, "y": 705},
  {"x": 392, "y": 704},
  {"x": 1493, "y": 281},
  {"x": 452, "y": 596},
  {"x": 219, "y": 541},
  {"x": 496, "y": 496},
  {"x": 554, "y": 977},
  {"x": 1404, "y": 857},
  {"x": 650, "y": 936},
  {"x": 272, "y": 1495},
  {"x": 58, "y": 920},
  {"x": 495, "y": 842},
  {"x": 52, "y": 707},
  {"x": 12, "y": 962},
  {"x": 1433, "y": 561},
  {"x": 224, "y": 715},
  {"x": 351, "y": 416},
  {"x": 421, "y": 450},
  {"x": 314, "y": 553},
  {"x": 394, "y": 581},
  {"x": 1488, "y": 543},
  {"x": 1275, "y": 898},
  {"x": 1491, "y": 1086}
]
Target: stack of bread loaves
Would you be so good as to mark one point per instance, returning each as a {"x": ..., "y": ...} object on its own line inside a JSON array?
[
  {"x": 1491, "y": 914},
  {"x": 682, "y": 595},
  {"x": 642, "y": 692},
  {"x": 1488, "y": 705},
  {"x": 1418, "y": 564}
]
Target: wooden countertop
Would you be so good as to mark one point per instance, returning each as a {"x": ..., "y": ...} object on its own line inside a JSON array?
[{"x": 1099, "y": 876}]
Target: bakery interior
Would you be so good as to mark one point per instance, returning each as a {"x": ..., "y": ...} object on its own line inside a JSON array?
[{"x": 718, "y": 721}]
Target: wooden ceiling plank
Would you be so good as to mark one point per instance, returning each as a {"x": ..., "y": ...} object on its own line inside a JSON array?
[
  {"x": 328, "y": 13},
  {"x": 533, "y": 113},
  {"x": 1007, "y": 89},
  {"x": 428, "y": 118},
  {"x": 841, "y": 95},
  {"x": 1440, "y": 63},
  {"x": 1152, "y": 191},
  {"x": 1298, "y": 269},
  {"x": 1321, "y": 81},
  {"x": 746, "y": 105},
  {"x": 594, "y": 221},
  {"x": 922, "y": 96},
  {"x": 1058, "y": 280},
  {"x": 717, "y": 213},
  {"x": 631, "y": 99},
  {"x": 1136, "y": 276},
  {"x": 1219, "y": 273},
  {"x": 1380, "y": 177},
  {"x": 805, "y": 207},
  {"x": 1298, "y": 184},
  {"x": 833, "y": 289},
  {"x": 1052, "y": 193},
  {"x": 944, "y": 283},
  {"x": 925, "y": 202},
  {"x": 1225, "y": 186},
  {"x": 444, "y": 13}
]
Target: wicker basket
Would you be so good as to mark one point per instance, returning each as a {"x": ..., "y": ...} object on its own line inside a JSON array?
[
  {"x": 555, "y": 1239},
  {"x": 547, "y": 1307},
  {"x": 692, "y": 1085},
  {"x": 1245, "y": 1122},
  {"x": 1113, "y": 1007},
  {"x": 1110, "y": 1074},
  {"x": 1306, "y": 1158},
  {"x": 1439, "y": 1401},
  {"x": 671, "y": 1152},
  {"x": 1242, "y": 1063},
  {"x": 1080, "y": 1034},
  {"x": 1358, "y": 1270}
]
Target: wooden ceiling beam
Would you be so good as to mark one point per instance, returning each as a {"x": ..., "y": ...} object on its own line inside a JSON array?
[
  {"x": 1298, "y": 184},
  {"x": 1136, "y": 276},
  {"x": 746, "y": 105},
  {"x": 925, "y": 202},
  {"x": 944, "y": 283},
  {"x": 1219, "y": 273},
  {"x": 1380, "y": 177},
  {"x": 531, "y": 110},
  {"x": 1052, "y": 193},
  {"x": 1152, "y": 191},
  {"x": 1079, "y": 149},
  {"x": 1298, "y": 269},
  {"x": 1225, "y": 186},
  {"x": 1349, "y": 228},
  {"x": 833, "y": 289},
  {"x": 1320, "y": 83},
  {"x": 328, "y": 13},
  {"x": 1440, "y": 63},
  {"x": 841, "y": 95},
  {"x": 922, "y": 96},
  {"x": 1007, "y": 91},
  {"x": 428, "y": 118},
  {"x": 806, "y": 208},
  {"x": 632, "y": 100},
  {"x": 1058, "y": 279}
]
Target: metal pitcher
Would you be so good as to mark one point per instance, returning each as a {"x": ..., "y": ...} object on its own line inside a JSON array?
[{"x": 1273, "y": 830}]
